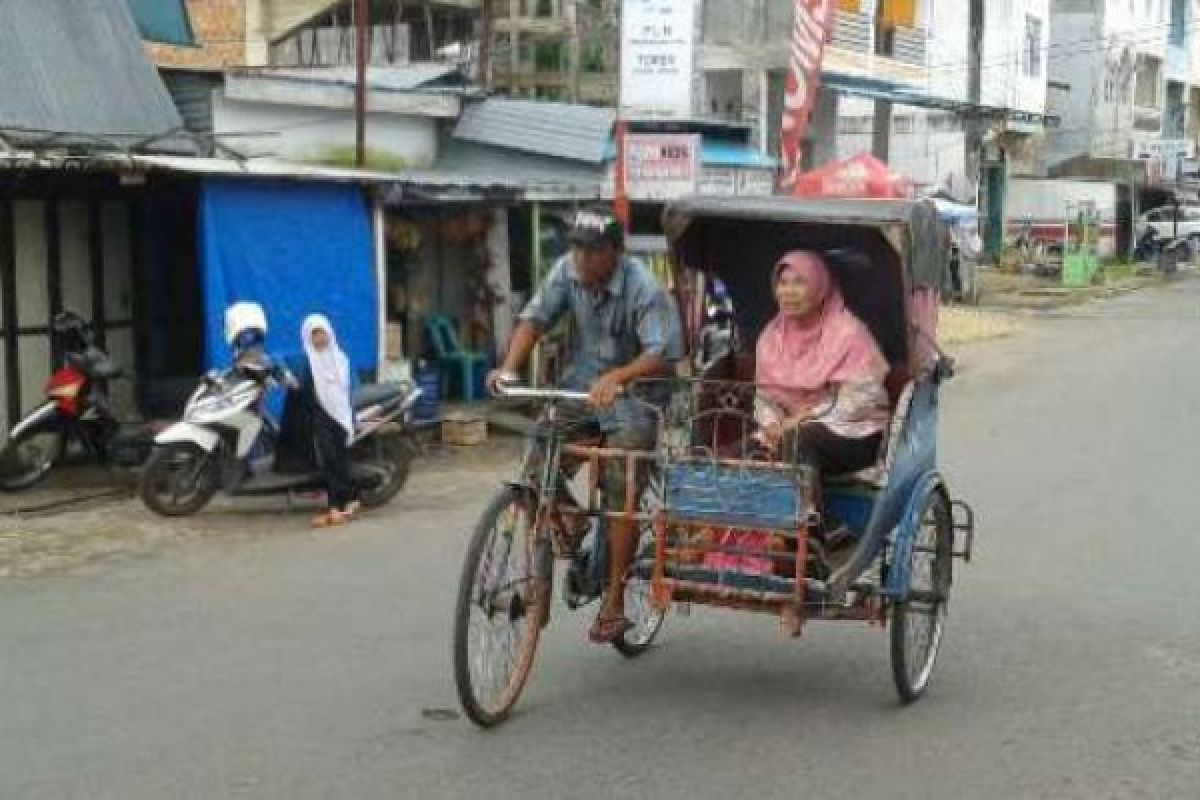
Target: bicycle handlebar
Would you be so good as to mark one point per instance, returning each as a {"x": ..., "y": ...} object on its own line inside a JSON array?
[{"x": 530, "y": 393}]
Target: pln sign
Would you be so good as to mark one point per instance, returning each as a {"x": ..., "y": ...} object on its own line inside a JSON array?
[
  {"x": 658, "y": 40},
  {"x": 660, "y": 166}
]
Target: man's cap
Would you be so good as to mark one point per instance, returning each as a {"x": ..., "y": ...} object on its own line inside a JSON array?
[{"x": 594, "y": 227}]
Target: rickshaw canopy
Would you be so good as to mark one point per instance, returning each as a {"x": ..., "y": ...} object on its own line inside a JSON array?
[{"x": 879, "y": 252}]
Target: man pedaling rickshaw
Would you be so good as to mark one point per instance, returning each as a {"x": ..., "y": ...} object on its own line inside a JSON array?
[{"x": 626, "y": 329}]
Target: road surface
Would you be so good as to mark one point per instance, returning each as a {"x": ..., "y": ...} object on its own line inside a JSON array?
[{"x": 265, "y": 661}]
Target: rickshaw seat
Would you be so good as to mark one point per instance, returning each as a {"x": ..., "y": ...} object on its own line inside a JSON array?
[{"x": 875, "y": 476}]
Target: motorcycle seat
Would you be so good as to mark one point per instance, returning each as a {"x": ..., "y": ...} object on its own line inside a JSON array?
[{"x": 378, "y": 394}]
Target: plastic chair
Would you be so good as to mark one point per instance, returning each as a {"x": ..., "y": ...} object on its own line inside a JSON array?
[{"x": 453, "y": 358}]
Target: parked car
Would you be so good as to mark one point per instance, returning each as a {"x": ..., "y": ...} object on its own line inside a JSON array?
[{"x": 1169, "y": 222}]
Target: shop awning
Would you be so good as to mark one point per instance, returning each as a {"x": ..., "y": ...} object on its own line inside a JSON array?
[
  {"x": 164, "y": 21},
  {"x": 878, "y": 89}
]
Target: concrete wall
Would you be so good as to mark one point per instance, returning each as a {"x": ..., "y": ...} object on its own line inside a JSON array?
[
  {"x": 1005, "y": 82},
  {"x": 1091, "y": 114},
  {"x": 947, "y": 22},
  {"x": 307, "y": 133},
  {"x": 32, "y": 265},
  {"x": 921, "y": 146}
]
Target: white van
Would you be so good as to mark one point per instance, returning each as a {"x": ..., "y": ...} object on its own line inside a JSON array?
[{"x": 1167, "y": 225}]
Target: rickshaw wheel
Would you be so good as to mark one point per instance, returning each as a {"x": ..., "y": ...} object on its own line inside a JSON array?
[
  {"x": 917, "y": 623},
  {"x": 503, "y": 603},
  {"x": 639, "y": 600}
]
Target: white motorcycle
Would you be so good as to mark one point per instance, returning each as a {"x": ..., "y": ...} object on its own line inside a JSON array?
[{"x": 228, "y": 441}]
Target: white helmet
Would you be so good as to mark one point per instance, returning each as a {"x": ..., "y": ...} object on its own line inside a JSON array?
[{"x": 243, "y": 317}]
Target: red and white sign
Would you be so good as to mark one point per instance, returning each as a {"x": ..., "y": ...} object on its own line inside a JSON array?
[
  {"x": 812, "y": 21},
  {"x": 661, "y": 166}
]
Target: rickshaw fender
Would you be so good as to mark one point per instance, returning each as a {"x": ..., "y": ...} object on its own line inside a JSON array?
[{"x": 898, "y": 575}]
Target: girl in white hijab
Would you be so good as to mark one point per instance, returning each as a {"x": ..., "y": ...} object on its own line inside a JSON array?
[{"x": 328, "y": 387}]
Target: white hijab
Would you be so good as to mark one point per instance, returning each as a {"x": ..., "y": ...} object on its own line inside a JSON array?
[{"x": 330, "y": 373}]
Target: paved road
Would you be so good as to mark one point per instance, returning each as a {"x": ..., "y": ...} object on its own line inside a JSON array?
[{"x": 276, "y": 663}]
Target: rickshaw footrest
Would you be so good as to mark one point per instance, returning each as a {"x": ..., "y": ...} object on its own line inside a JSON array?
[{"x": 963, "y": 521}]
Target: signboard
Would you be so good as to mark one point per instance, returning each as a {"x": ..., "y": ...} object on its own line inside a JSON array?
[
  {"x": 812, "y": 19},
  {"x": 736, "y": 182},
  {"x": 657, "y": 54},
  {"x": 661, "y": 166},
  {"x": 1166, "y": 158},
  {"x": 719, "y": 182},
  {"x": 755, "y": 182}
]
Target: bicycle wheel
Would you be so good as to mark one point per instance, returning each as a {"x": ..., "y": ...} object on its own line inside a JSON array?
[
  {"x": 639, "y": 601},
  {"x": 918, "y": 623},
  {"x": 503, "y": 601}
]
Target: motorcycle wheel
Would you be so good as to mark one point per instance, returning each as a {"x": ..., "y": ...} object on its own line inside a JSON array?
[
  {"x": 28, "y": 458},
  {"x": 179, "y": 480},
  {"x": 393, "y": 455}
]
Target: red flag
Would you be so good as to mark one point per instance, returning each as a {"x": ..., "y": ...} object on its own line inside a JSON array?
[{"x": 812, "y": 19}]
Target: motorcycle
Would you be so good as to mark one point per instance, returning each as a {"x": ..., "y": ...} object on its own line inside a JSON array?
[
  {"x": 228, "y": 441},
  {"x": 1165, "y": 251},
  {"x": 76, "y": 409}
]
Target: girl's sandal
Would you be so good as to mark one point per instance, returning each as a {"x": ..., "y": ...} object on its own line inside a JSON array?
[{"x": 329, "y": 519}]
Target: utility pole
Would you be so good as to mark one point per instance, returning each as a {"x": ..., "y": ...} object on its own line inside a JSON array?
[
  {"x": 485, "y": 44},
  {"x": 360, "y": 82}
]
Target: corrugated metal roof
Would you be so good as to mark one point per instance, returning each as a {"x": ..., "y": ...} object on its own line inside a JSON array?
[
  {"x": 563, "y": 130},
  {"x": 385, "y": 79},
  {"x": 574, "y": 179},
  {"x": 193, "y": 96},
  {"x": 78, "y": 68}
]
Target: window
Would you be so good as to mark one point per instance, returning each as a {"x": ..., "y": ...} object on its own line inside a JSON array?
[
  {"x": 898, "y": 13},
  {"x": 1147, "y": 77},
  {"x": 1031, "y": 55},
  {"x": 890, "y": 15},
  {"x": 1178, "y": 34}
]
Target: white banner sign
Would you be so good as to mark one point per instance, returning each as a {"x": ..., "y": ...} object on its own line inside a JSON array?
[
  {"x": 657, "y": 54},
  {"x": 661, "y": 166},
  {"x": 736, "y": 182}
]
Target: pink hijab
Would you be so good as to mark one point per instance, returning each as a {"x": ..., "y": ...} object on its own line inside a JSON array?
[{"x": 797, "y": 359}]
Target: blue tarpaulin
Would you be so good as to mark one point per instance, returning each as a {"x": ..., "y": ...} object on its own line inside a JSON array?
[{"x": 297, "y": 249}]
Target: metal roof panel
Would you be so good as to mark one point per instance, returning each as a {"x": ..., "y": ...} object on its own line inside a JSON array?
[
  {"x": 78, "y": 68},
  {"x": 562, "y": 130}
]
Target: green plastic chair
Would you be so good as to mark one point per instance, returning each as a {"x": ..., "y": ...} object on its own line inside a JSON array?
[{"x": 452, "y": 358}]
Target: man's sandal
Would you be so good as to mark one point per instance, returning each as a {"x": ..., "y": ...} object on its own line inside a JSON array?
[{"x": 606, "y": 630}]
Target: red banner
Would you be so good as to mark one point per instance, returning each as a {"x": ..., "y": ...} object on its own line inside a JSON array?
[{"x": 809, "y": 30}]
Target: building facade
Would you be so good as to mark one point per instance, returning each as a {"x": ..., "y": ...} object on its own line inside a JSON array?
[{"x": 1121, "y": 81}]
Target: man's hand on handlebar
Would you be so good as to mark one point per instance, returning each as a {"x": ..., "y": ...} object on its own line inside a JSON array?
[
  {"x": 605, "y": 390},
  {"x": 497, "y": 379}
]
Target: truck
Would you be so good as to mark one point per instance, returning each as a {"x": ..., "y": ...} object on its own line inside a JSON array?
[{"x": 1039, "y": 211}]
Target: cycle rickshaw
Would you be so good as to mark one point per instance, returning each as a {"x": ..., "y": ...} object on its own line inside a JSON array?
[{"x": 705, "y": 512}]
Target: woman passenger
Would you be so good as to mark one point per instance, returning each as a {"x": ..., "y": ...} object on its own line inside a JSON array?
[{"x": 820, "y": 398}]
